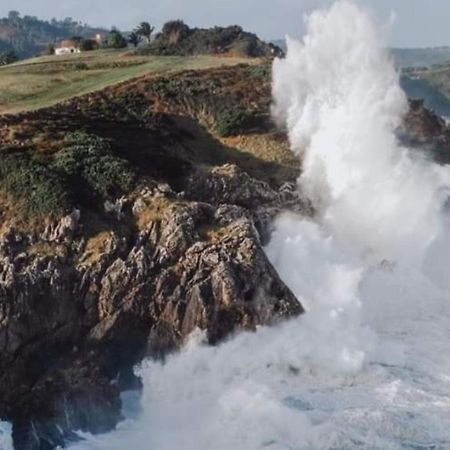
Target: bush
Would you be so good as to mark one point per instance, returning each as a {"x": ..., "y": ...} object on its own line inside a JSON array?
[
  {"x": 80, "y": 66},
  {"x": 87, "y": 45},
  {"x": 115, "y": 39},
  {"x": 230, "y": 121},
  {"x": 34, "y": 188},
  {"x": 8, "y": 57},
  {"x": 88, "y": 161},
  {"x": 178, "y": 39},
  {"x": 174, "y": 31}
]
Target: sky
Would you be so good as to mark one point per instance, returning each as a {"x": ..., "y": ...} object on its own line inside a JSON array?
[{"x": 417, "y": 23}]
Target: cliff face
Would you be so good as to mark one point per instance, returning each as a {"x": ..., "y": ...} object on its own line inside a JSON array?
[
  {"x": 147, "y": 231},
  {"x": 82, "y": 314}
]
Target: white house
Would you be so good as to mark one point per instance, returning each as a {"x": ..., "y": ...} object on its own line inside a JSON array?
[{"x": 67, "y": 47}]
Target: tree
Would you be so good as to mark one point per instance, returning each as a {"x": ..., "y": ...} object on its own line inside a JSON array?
[
  {"x": 13, "y": 16},
  {"x": 134, "y": 39},
  {"x": 174, "y": 31},
  {"x": 86, "y": 45},
  {"x": 8, "y": 57},
  {"x": 115, "y": 39},
  {"x": 145, "y": 30}
]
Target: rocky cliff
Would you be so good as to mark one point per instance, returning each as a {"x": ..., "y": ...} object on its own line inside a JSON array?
[{"x": 128, "y": 221}]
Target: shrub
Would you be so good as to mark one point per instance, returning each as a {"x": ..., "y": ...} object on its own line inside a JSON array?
[
  {"x": 80, "y": 66},
  {"x": 174, "y": 31},
  {"x": 234, "y": 120},
  {"x": 88, "y": 161},
  {"x": 8, "y": 57},
  {"x": 34, "y": 188},
  {"x": 177, "y": 39},
  {"x": 115, "y": 39},
  {"x": 87, "y": 45}
]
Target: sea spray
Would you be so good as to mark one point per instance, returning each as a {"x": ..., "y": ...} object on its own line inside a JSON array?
[
  {"x": 339, "y": 96},
  {"x": 367, "y": 366},
  {"x": 5, "y": 436}
]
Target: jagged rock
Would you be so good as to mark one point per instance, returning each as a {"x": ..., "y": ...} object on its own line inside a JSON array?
[
  {"x": 228, "y": 184},
  {"x": 426, "y": 131},
  {"x": 74, "y": 316},
  {"x": 64, "y": 230},
  {"x": 117, "y": 208}
]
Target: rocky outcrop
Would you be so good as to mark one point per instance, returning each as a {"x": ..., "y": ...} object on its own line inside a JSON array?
[
  {"x": 425, "y": 130},
  {"x": 79, "y": 308},
  {"x": 229, "y": 184}
]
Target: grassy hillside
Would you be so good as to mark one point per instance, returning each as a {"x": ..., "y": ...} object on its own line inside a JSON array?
[
  {"x": 166, "y": 127},
  {"x": 47, "y": 80}
]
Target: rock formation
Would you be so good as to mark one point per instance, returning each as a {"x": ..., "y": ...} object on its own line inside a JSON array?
[{"x": 77, "y": 312}]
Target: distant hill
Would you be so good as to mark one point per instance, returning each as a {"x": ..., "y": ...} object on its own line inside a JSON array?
[
  {"x": 178, "y": 39},
  {"x": 406, "y": 57},
  {"x": 420, "y": 57},
  {"x": 29, "y": 36}
]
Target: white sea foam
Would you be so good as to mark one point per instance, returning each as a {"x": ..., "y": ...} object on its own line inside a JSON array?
[
  {"x": 368, "y": 366},
  {"x": 5, "y": 436}
]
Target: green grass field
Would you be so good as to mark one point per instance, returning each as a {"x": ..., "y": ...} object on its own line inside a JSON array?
[{"x": 47, "y": 80}]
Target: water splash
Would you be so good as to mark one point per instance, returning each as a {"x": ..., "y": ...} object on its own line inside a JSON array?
[{"x": 5, "y": 436}]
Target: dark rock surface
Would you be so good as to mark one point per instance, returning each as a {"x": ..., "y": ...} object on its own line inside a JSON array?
[
  {"x": 78, "y": 311},
  {"x": 425, "y": 130}
]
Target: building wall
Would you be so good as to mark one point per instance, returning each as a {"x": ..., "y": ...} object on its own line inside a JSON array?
[{"x": 66, "y": 50}]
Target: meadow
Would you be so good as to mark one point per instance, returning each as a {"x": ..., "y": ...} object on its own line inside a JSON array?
[{"x": 47, "y": 80}]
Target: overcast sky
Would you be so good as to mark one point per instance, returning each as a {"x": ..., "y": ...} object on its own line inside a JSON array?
[{"x": 418, "y": 22}]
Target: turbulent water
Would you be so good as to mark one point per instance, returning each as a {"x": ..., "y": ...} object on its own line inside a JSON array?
[{"x": 368, "y": 366}]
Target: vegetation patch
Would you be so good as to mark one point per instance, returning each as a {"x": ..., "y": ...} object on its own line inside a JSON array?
[
  {"x": 177, "y": 39},
  {"x": 90, "y": 165},
  {"x": 234, "y": 120},
  {"x": 33, "y": 187},
  {"x": 95, "y": 247},
  {"x": 153, "y": 211}
]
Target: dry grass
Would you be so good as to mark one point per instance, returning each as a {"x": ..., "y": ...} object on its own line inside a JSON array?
[
  {"x": 47, "y": 249},
  {"x": 271, "y": 148},
  {"x": 95, "y": 247},
  {"x": 153, "y": 211},
  {"x": 213, "y": 233}
]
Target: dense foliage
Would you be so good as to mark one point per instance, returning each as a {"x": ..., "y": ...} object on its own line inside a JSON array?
[
  {"x": 87, "y": 45},
  {"x": 89, "y": 164},
  {"x": 234, "y": 119},
  {"x": 28, "y": 35},
  {"x": 115, "y": 39},
  {"x": 176, "y": 38},
  {"x": 85, "y": 171},
  {"x": 33, "y": 187},
  {"x": 144, "y": 30}
]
